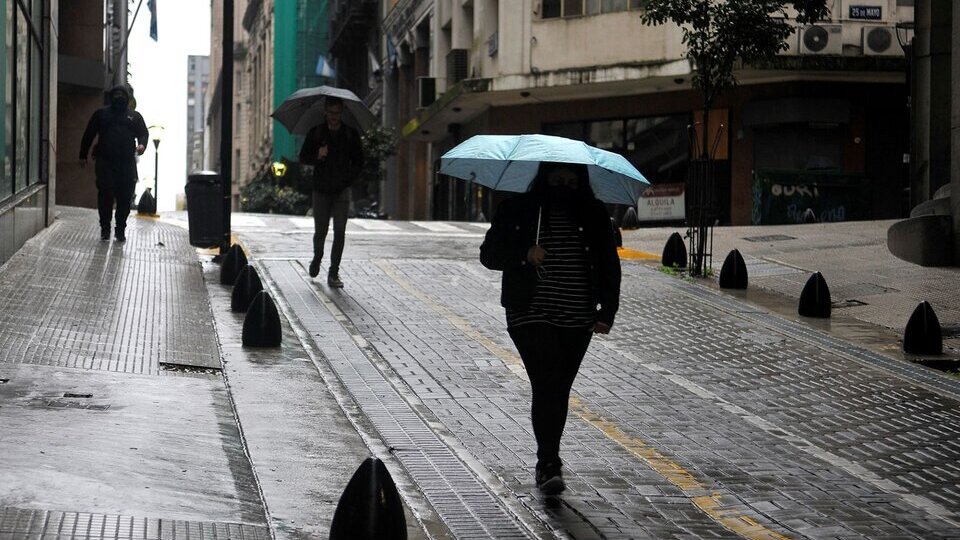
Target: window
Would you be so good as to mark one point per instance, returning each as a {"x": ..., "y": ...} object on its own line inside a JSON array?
[
  {"x": 6, "y": 106},
  {"x": 21, "y": 105},
  {"x": 21, "y": 102},
  {"x": 553, "y": 9},
  {"x": 658, "y": 146}
]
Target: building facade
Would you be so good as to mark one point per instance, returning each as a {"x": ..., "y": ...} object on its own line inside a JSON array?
[
  {"x": 823, "y": 126},
  {"x": 277, "y": 45},
  {"x": 198, "y": 81},
  {"x": 212, "y": 137}
]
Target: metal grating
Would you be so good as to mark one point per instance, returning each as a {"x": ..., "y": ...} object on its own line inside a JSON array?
[
  {"x": 22, "y": 524},
  {"x": 72, "y": 300}
]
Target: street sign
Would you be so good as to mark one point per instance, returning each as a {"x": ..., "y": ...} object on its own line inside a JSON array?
[
  {"x": 662, "y": 202},
  {"x": 866, "y": 13}
]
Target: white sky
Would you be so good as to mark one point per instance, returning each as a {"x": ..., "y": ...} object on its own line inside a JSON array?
[{"x": 158, "y": 74}]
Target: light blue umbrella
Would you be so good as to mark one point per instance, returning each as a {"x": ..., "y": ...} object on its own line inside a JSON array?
[{"x": 510, "y": 162}]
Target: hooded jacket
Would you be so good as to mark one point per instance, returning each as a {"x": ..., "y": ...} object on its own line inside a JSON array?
[{"x": 118, "y": 132}]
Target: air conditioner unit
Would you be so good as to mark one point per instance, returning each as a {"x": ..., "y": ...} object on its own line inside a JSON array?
[
  {"x": 456, "y": 66},
  {"x": 426, "y": 91},
  {"x": 881, "y": 41},
  {"x": 821, "y": 39}
]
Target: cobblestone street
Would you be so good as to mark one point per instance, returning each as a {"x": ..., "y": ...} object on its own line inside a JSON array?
[{"x": 699, "y": 416}]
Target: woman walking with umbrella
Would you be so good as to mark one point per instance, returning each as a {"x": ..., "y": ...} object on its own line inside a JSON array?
[{"x": 561, "y": 284}]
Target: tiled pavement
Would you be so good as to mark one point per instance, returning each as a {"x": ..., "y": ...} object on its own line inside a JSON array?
[{"x": 693, "y": 419}]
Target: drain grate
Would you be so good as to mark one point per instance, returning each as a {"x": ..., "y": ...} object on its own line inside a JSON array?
[
  {"x": 54, "y": 525},
  {"x": 857, "y": 290},
  {"x": 769, "y": 238},
  {"x": 69, "y": 404}
]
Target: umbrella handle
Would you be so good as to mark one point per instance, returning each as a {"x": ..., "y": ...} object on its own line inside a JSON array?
[{"x": 539, "y": 217}]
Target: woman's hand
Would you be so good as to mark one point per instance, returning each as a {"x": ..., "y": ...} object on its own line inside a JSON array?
[
  {"x": 601, "y": 328},
  {"x": 535, "y": 255}
]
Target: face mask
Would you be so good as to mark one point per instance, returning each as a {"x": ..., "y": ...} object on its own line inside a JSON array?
[{"x": 560, "y": 195}]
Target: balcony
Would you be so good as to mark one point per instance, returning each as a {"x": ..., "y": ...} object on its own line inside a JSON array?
[{"x": 350, "y": 21}]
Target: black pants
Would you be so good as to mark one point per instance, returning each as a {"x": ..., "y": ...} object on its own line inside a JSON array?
[
  {"x": 113, "y": 186},
  {"x": 325, "y": 206},
  {"x": 551, "y": 356}
]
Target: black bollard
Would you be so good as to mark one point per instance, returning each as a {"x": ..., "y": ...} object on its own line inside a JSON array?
[
  {"x": 370, "y": 506},
  {"x": 815, "y": 298},
  {"x": 630, "y": 220},
  {"x": 922, "y": 335},
  {"x": 147, "y": 204},
  {"x": 261, "y": 326},
  {"x": 233, "y": 262},
  {"x": 617, "y": 235},
  {"x": 733, "y": 274},
  {"x": 675, "y": 252},
  {"x": 247, "y": 286}
]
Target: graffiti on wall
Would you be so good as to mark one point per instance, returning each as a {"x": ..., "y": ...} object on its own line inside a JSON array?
[{"x": 784, "y": 197}]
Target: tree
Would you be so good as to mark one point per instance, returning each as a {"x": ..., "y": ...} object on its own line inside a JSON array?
[
  {"x": 718, "y": 34},
  {"x": 379, "y": 143}
]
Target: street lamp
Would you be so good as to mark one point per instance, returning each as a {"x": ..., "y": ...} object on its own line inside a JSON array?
[{"x": 156, "y": 132}]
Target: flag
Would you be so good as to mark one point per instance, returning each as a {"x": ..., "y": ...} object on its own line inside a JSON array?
[
  {"x": 391, "y": 56},
  {"x": 152, "y": 6},
  {"x": 324, "y": 69}
]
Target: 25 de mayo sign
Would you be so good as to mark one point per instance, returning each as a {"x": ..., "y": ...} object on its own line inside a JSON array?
[
  {"x": 661, "y": 202},
  {"x": 869, "y": 13}
]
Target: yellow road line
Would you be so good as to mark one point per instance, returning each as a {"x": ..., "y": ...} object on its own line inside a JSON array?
[
  {"x": 637, "y": 255},
  {"x": 700, "y": 495}
]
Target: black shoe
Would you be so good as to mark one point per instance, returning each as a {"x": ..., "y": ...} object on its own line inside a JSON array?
[
  {"x": 120, "y": 236},
  {"x": 550, "y": 479},
  {"x": 104, "y": 233},
  {"x": 314, "y": 267},
  {"x": 334, "y": 281}
]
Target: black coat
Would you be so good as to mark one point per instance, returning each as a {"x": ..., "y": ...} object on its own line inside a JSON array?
[
  {"x": 117, "y": 134},
  {"x": 513, "y": 232},
  {"x": 344, "y": 159}
]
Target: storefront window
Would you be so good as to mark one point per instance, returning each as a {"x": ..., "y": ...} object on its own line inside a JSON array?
[
  {"x": 658, "y": 146},
  {"x": 22, "y": 101}
]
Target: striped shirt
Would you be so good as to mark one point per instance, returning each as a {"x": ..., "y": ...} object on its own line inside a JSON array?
[{"x": 562, "y": 297}]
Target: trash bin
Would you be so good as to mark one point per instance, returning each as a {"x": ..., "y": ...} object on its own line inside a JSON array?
[{"x": 204, "y": 208}]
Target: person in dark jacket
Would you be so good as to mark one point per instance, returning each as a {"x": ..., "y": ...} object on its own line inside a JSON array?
[
  {"x": 560, "y": 285},
  {"x": 336, "y": 152},
  {"x": 121, "y": 136}
]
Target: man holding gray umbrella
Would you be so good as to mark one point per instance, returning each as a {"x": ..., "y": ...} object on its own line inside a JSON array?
[
  {"x": 331, "y": 118},
  {"x": 336, "y": 153}
]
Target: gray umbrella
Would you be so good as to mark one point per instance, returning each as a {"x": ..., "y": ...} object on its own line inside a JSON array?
[{"x": 304, "y": 109}]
